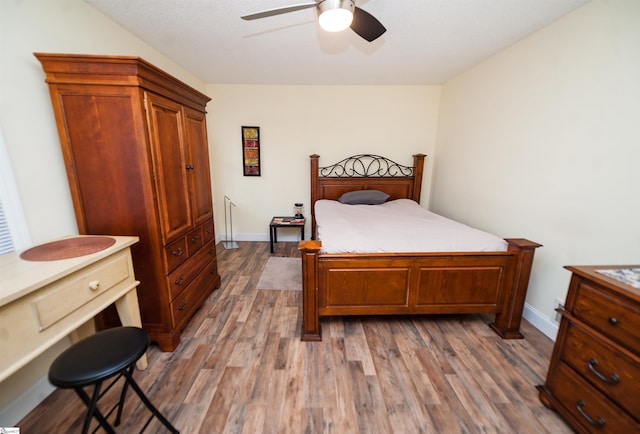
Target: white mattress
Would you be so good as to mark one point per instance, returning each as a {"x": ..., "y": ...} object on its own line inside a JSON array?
[{"x": 396, "y": 226}]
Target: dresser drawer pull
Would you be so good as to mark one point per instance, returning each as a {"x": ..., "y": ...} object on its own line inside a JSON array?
[
  {"x": 598, "y": 424},
  {"x": 592, "y": 367},
  {"x": 179, "y": 281},
  {"x": 177, "y": 252},
  {"x": 195, "y": 239},
  {"x": 94, "y": 285},
  {"x": 182, "y": 306},
  {"x": 613, "y": 321}
]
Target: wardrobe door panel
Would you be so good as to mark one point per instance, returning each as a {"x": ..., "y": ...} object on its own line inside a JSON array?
[
  {"x": 168, "y": 149},
  {"x": 198, "y": 162}
]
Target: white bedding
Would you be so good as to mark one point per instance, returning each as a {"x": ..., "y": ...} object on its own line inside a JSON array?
[{"x": 396, "y": 226}]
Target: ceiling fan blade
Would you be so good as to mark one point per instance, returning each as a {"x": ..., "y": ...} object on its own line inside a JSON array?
[
  {"x": 279, "y": 11},
  {"x": 366, "y": 25}
]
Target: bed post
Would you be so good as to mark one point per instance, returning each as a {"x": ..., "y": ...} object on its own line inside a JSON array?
[
  {"x": 507, "y": 322},
  {"x": 314, "y": 167},
  {"x": 418, "y": 169},
  {"x": 310, "y": 315}
]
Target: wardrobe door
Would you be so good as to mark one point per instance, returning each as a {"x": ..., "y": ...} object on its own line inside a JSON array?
[
  {"x": 170, "y": 156},
  {"x": 198, "y": 163}
]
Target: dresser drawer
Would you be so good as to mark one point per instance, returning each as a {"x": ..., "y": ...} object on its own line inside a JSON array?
[
  {"x": 74, "y": 291},
  {"x": 184, "y": 304},
  {"x": 588, "y": 406},
  {"x": 604, "y": 366},
  {"x": 182, "y": 276},
  {"x": 175, "y": 253},
  {"x": 608, "y": 313}
]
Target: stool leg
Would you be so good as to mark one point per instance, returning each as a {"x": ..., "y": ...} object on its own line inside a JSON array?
[
  {"x": 150, "y": 406},
  {"x": 92, "y": 409},
  {"x": 123, "y": 394}
]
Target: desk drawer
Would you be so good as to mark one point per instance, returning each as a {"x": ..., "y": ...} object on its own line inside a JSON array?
[
  {"x": 604, "y": 366},
  {"x": 77, "y": 289},
  {"x": 608, "y": 313}
]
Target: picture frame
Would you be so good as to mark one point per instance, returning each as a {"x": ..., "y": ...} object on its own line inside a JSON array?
[{"x": 250, "y": 151}]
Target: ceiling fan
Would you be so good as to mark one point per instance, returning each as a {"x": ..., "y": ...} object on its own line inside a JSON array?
[{"x": 334, "y": 16}]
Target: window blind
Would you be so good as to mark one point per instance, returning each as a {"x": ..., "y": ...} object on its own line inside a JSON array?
[{"x": 6, "y": 242}]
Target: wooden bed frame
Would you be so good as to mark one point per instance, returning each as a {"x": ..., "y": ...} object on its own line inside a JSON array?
[{"x": 405, "y": 283}]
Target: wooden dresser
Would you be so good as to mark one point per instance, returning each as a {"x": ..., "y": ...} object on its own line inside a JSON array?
[
  {"x": 594, "y": 375},
  {"x": 134, "y": 141}
]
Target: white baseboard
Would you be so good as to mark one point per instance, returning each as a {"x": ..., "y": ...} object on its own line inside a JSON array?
[
  {"x": 540, "y": 321},
  {"x": 27, "y": 401},
  {"x": 282, "y": 236}
]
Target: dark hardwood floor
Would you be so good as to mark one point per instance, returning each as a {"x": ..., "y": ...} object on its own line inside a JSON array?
[{"x": 241, "y": 368}]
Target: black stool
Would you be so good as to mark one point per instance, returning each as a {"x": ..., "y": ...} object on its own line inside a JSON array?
[{"x": 98, "y": 358}]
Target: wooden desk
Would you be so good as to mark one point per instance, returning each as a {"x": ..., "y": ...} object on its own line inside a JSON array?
[{"x": 41, "y": 302}]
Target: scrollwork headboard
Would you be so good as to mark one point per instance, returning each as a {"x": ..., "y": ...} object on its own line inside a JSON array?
[{"x": 365, "y": 172}]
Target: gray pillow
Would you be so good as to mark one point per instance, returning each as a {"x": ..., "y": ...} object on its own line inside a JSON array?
[{"x": 364, "y": 197}]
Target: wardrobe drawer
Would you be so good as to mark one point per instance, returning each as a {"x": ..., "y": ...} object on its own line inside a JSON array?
[
  {"x": 175, "y": 254},
  {"x": 608, "y": 313},
  {"x": 588, "y": 406},
  {"x": 182, "y": 276},
  {"x": 77, "y": 289},
  {"x": 195, "y": 240},
  {"x": 208, "y": 231},
  {"x": 184, "y": 304},
  {"x": 605, "y": 367}
]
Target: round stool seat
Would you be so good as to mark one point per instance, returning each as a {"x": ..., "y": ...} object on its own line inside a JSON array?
[{"x": 98, "y": 357}]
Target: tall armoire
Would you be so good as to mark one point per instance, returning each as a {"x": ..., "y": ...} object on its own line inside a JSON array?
[{"x": 134, "y": 141}]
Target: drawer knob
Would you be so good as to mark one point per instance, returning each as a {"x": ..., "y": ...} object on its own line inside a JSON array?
[
  {"x": 182, "y": 306},
  {"x": 592, "y": 367},
  {"x": 94, "y": 285},
  {"x": 177, "y": 252},
  {"x": 179, "y": 281},
  {"x": 195, "y": 239},
  {"x": 613, "y": 321},
  {"x": 599, "y": 423}
]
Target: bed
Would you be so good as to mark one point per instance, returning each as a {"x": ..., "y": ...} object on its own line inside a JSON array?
[{"x": 401, "y": 283}]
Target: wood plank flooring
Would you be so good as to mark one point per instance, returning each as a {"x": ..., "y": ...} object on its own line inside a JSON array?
[{"x": 241, "y": 368}]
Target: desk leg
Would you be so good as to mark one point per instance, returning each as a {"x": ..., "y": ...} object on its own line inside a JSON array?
[
  {"x": 129, "y": 313},
  {"x": 85, "y": 330}
]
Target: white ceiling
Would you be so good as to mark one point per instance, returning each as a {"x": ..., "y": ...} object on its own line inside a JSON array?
[{"x": 427, "y": 41}]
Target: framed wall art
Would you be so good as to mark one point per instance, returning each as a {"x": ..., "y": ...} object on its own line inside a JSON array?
[{"x": 251, "y": 151}]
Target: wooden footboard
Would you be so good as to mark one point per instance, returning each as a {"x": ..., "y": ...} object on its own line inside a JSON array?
[{"x": 416, "y": 283}]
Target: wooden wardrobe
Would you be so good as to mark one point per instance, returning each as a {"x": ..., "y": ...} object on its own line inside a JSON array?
[{"x": 134, "y": 141}]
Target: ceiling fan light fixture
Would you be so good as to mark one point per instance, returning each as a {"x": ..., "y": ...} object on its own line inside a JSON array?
[{"x": 335, "y": 15}]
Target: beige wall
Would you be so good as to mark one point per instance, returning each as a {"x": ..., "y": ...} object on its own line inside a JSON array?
[
  {"x": 543, "y": 141},
  {"x": 297, "y": 121}
]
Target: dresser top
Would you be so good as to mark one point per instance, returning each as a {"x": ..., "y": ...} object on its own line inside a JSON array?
[
  {"x": 602, "y": 275},
  {"x": 19, "y": 277}
]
